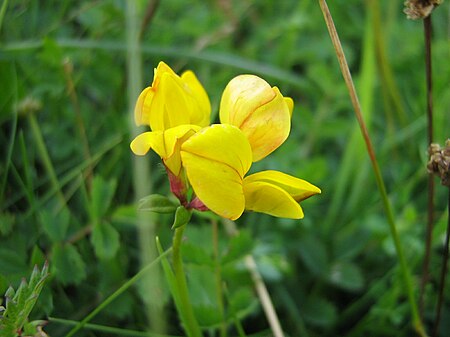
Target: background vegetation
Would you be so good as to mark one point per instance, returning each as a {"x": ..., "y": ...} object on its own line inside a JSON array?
[{"x": 69, "y": 74}]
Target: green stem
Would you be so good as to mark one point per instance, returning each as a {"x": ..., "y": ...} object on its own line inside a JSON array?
[
  {"x": 108, "y": 329},
  {"x": 118, "y": 292},
  {"x": 379, "y": 179},
  {"x": 218, "y": 275},
  {"x": 191, "y": 326},
  {"x": 2, "y": 12},
  {"x": 45, "y": 157}
]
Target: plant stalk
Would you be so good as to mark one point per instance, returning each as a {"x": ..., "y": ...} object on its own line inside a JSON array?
[
  {"x": 443, "y": 273},
  {"x": 190, "y": 323},
  {"x": 218, "y": 275},
  {"x": 417, "y": 323},
  {"x": 430, "y": 196}
]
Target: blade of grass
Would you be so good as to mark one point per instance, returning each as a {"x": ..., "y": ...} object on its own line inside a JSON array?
[
  {"x": 81, "y": 129},
  {"x": 220, "y": 58},
  {"x": 349, "y": 174},
  {"x": 45, "y": 157},
  {"x": 117, "y": 293},
  {"x": 8, "y": 155},
  {"x": 2, "y": 12},
  {"x": 417, "y": 323},
  {"x": 142, "y": 179},
  {"x": 108, "y": 329}
]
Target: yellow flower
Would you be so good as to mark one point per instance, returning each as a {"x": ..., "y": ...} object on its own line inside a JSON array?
[
  {"x": 260, "y": 111},
  {"x": 172, "y": 100},
  {"x": 174, "y": 107},
  {"x": 256, "y": 119},
  {"x": 217, "y": 158}
]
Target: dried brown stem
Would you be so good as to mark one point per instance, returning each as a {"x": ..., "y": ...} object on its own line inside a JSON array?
[
  {"x": 68, "y": 70},
  {"x": 430, "y": 197},
  {"x": 443, "y": 273}
]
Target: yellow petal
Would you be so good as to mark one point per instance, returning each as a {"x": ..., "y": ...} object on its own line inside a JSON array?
[
  {"x": 165, "y": 143},
  {"x": 270, "y": 199},
  {"x": 199, "y": 115},
  {"x": 290, "y": 103},
  {"x": 143, "y": 107},
  {"x": 161, "y": 69},
  {"x": 170, "y": 105},
  {"x": 261, "y": 112},
  {"x": 215, "y": 160},
  {"x": 146, "y": 141},
  {"x": 242, "y": 96},
  {"x": 299, "y": 189},
  {"x": 268, "y": 126}
]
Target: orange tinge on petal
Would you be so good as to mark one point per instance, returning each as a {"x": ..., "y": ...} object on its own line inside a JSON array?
[{"x": 260, "y": 111}]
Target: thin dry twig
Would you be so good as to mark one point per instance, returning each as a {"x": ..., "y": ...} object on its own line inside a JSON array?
[
  {"x": 443, "y": 273},
  {"x": 260, "y": 286},
  {"x": 430, "y": 197},
  {"x": 417, "y": 322}
]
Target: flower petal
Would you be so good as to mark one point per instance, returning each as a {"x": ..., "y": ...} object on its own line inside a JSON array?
[
  {"x": 165, "y": 143},
  {"x": 268, "y": 126},
  {"x": 215, "y": 160},
  {"x": 299, "y": 189},
  {"x": 200, "y": 115},
  {"x": 146, "y": 141},
  {"x": 243, "y": 95},
  {"x": 290, "y": 103},
  {"x": 261, "y": 112},
  {"x": 171, "y": 104},
  {"x": 266, "y": 198},
  {"x": 143, "y": 107}
]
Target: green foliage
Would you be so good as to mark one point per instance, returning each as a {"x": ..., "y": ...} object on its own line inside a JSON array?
[
  {"x": 332, "y": 273},
  {"x": 20, "y": 303},
  {"x": 158, "y": 204}
]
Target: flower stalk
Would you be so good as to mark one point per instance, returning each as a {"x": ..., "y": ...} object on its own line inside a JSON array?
[{"x": 190, "y": 322}]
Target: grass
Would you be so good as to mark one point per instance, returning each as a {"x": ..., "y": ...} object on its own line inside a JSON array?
[{"x": 333, "y": 273}]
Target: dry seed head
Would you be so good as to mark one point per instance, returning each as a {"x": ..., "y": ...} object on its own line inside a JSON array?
[
  {"x": 420, "y": 9},
  {"x": 439, "y": 162}
]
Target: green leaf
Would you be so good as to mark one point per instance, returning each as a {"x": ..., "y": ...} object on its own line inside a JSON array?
[
  {"x": 182, "y": 217},
  {"x": 68, "y": 266},
  {"x": 319, "y": 312},
  {"x": 37, "y": 256},
  {"x": 101, "y": 196},
  {"x": 157, "y": 203},
  {"x": 314, "y": 254},
  {"x": 6, "y": 223},
  {"x": 12, "y": 262},
  {"x": 105, "y": 240},
  {"x": 208, "y": 316},
  {"x": 55, "y": 225},
  {"x": 242, "y": 302},
  {"x": 346, "y": 275},
  {"x": 196, "y": 255},
  {"x": 239, "y": 246},
  {"x": 20, "y": 303}
]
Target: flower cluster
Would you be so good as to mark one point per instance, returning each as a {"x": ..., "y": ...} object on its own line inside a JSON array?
[{"x": 214, "y": 160}]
